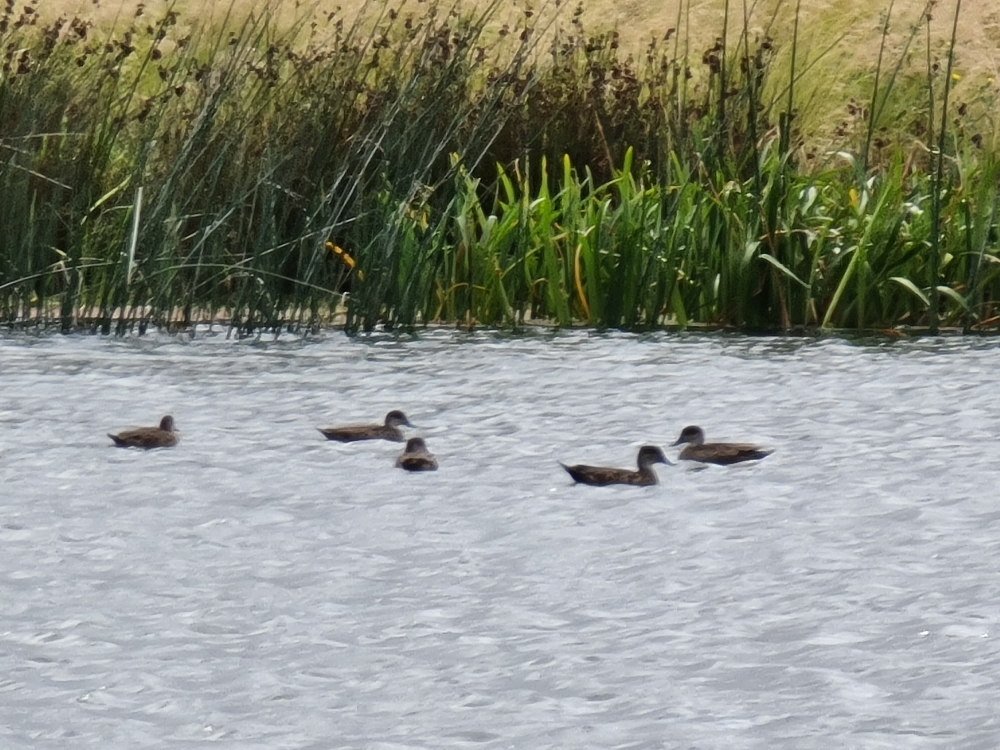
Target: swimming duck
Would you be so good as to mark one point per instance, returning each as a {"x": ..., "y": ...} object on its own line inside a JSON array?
[
  {"x": 388, "y": 431},
  {"x": 148, "y": 437},
  {"x": 416, "y": 457},
  {"x": 601, "y": 475},
  {"x": 716, "y": 453}
]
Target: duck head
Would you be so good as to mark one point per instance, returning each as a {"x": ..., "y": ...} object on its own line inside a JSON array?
[
  {"x": 649, "y": 455},
  {"x": 416, "y": 445},
  {"x": 167, "y": 424},
  {"x": 396, "y": 418},
  {"x": 692, "y": 434}
]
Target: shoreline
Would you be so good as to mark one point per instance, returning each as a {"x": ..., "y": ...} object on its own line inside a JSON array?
[{"x": 92, "y": 322}]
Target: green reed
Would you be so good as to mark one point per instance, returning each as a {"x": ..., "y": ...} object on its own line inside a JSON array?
[{"x": 406, "y": 168}]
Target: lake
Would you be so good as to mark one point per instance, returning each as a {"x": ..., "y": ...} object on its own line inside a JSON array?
[{"x": 260, "y": 587}]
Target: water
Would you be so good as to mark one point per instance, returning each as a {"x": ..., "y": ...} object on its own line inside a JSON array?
[{"x": 260, "y": 587}]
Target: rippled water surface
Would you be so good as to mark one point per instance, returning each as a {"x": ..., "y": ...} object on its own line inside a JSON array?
[{"x": 260, "y": 587}]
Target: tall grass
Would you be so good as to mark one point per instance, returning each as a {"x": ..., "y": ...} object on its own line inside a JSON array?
[{"x": 405, "y": 168}]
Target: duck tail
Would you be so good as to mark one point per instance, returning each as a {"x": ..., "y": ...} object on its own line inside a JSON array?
[{"x": 571, "y": 471}]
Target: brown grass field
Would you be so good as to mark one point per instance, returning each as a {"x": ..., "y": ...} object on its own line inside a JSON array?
[{"x": 842, "y": 37}]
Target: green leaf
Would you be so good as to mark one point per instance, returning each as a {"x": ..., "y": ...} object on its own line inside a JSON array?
[
  {"x": 912, "y": 288},
  {"x": 783, "y": 268},
  {"x": 677, "y": 304},
  {"x": 947, "y": 291}
]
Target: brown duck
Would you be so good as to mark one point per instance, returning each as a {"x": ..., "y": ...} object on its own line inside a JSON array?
[
  {"x": 696, "y": 449},
  {"x": 416, "y": 457},
  {"x": 602, "y": 475},
  {"x": 388, "y": 431},
  {"x": 148, "y": 437}
]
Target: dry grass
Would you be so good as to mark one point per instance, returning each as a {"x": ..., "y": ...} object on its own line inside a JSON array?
[
  {"x": 823, "y": 94},
  {"x": 637, "y": 20}
]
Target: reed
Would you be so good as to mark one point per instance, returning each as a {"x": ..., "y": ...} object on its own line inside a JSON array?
[{"x": 399, "y": 169}]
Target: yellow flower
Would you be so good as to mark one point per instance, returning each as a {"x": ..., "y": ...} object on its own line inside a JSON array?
[
  {"x": 956, "y": 77},
  {"x": 852, "y": 195},
  {"x": 345, "y": 257}
]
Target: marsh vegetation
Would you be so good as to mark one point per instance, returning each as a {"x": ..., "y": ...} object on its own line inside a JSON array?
[{"x": 425, "y": 163}]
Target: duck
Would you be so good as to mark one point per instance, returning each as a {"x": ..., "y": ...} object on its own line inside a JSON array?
[
  {"x": 723, "y": 454},
  {"x": 162, "y": 436},
  {"x": 388, "y": 431},
  {"x": 416, "y": 457},
  {"x": 601, "y": 475}
]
